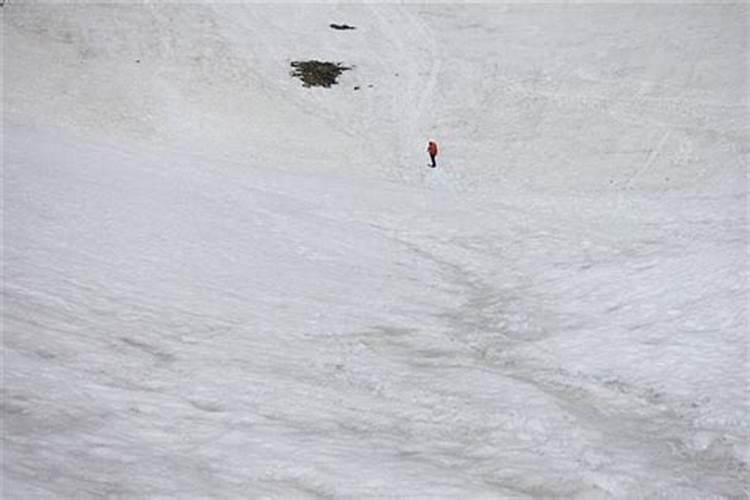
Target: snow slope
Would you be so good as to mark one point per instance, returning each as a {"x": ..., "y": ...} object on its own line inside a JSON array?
[{"x": 219, "y": 283}]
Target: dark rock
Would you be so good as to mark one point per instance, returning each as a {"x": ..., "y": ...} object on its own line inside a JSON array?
[{"x": 317, "y": 73}]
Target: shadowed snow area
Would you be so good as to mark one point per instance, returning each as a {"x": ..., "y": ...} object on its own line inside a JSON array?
[{"x": 220, "y": 283}]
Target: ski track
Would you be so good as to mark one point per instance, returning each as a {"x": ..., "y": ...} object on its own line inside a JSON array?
[{"x": 408, "y": 36}]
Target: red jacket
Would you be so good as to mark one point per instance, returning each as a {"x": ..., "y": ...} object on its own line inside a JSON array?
[{"x": 432, "y": 148}]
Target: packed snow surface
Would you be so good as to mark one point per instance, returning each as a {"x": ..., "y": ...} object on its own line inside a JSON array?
[{"x": 220, "y": 283}]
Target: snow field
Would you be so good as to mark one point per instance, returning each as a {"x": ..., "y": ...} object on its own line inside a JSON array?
[{"x": 218, "y": 283}]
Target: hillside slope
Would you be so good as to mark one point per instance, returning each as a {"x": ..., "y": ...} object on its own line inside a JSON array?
[{"x": 220, "y": 283}]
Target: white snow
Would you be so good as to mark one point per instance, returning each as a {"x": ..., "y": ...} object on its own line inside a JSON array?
[{"x": 220, "y": 284}]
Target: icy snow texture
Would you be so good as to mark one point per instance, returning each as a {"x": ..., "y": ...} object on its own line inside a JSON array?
[{"x": 218, "y": 283}]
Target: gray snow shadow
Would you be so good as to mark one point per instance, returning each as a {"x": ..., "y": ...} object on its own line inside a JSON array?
[
  {"x": 158, "y": 354},
  {"x": 411, "y": 345},
  {"x": 488, "y": 331}
]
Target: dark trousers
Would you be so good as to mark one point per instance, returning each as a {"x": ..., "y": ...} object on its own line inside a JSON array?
[{"x": 432, "y": 158}]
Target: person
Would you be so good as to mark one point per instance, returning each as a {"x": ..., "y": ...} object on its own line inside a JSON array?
[{"x": 432, "y": 148}]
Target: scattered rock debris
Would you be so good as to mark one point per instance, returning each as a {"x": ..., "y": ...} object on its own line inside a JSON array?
[
  {"x": 317, "y": 73},
  {"x": 342, "y": 27}
]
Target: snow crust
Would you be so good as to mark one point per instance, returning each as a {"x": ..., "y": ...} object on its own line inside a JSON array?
[{"x": 219, "y": 283}]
